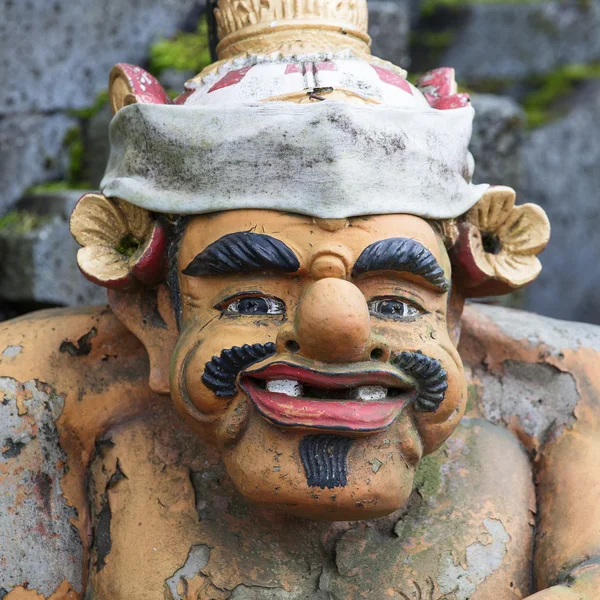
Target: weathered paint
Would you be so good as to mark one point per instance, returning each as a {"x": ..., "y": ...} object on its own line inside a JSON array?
[
  {"x": 473, "y": 498},
  {"x": 482, "y": 559},
  {"x": 12, "y": 351},
  {"x": 47, "y": 417},
  {"x": 196, "y": 561},
  {"x": 38, "y": 543},
  {"x": 540, "y": 396},
  {"x": 567, "y": 477}
]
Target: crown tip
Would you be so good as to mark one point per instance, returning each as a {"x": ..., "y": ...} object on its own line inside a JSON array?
[{"x": 291, "y": 26}]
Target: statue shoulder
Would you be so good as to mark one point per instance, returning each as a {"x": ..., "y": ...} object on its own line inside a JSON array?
[
  {"x": 528, "y": 372},
  {"x": 55, "y": 345},
  {"x": 497, "y": 323}
]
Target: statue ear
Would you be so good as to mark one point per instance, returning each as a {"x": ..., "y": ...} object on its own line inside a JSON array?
[
  {"x": 149, "y": 315},
  {"x": 498, "y": 243}
]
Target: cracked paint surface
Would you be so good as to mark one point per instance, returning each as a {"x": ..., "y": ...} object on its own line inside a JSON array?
[
  {"x": 179, "y": 530},
  {"x": 482, "y": 559},
  {"x": 529, "y": 392},
  {"x": 202, "y": 541},
  {"x": 36, "y": 533}
]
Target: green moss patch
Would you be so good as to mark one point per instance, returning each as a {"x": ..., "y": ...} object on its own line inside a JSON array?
[
  {"x": 541, "y": 104},
  {"x": 128, "y": 246},
  {"x": 91, "y": 111},
  {"x": 185, "y": 52},
  {"x": 428, "y": 479},
  {"x": 21, "y": 221},
  {"x": 430, "y": 6}
]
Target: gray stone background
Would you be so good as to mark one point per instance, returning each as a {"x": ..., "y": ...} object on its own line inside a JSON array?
[{"x": 532, "y": 67}]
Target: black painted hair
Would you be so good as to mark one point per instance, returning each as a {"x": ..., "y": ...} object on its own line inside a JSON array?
[
  {"x": 402, "y": 254},
  {"x": 175, "y": 229},
  {"x": 243, "y": 252}
]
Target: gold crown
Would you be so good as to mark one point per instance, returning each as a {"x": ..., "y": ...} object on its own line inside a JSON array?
[{"x": 291, "y": 26}]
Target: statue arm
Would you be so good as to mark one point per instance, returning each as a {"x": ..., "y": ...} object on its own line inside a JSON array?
[
  {"x": 65, "y": 377},
  {"x": 567, "y": 557}
]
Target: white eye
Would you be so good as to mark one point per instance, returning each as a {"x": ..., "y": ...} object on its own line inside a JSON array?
[
  {"x": 255, "y": 305},
  {"x": 388, "y": 308}
]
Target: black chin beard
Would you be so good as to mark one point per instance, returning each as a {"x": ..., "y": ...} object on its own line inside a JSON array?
[{"x": 324, "y": 458}]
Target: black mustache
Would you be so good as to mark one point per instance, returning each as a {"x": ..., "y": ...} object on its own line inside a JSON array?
[
  {"x": 220, "y": 373},
  {"x": 432, "y": 380},
  {"x": 325, "y": 460}
]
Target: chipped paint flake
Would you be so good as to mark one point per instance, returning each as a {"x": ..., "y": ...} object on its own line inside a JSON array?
[
  {"x": 542, "y": 397},
  {"x": 196, "y": 561},
  {"x": 12, "y": 351},
  {"x": 38, "y": 543},
  {"x": 481, "y": 561},
  {"x": 376, "y": 465}
]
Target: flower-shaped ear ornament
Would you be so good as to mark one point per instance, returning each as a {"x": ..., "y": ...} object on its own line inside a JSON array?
[
  {"x": 498, "y": 243},
  {"x": 123, "y": 246}
]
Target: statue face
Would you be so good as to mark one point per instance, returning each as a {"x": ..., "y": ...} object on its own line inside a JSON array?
[{"x": 316, "y": 355}]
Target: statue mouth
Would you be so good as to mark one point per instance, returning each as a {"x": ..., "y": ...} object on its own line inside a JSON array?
[{"x": 361, "y": 400}]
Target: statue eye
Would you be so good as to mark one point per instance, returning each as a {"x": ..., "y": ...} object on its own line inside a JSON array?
[
  {"x": 390, "y": 308},
  {"x": 253, "y": 305}
]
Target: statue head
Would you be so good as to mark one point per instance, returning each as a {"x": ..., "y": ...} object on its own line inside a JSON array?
[{"x": 293, "y": 239}]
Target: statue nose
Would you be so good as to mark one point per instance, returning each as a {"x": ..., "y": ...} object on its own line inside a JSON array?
[{"x": 333, "y": 322}]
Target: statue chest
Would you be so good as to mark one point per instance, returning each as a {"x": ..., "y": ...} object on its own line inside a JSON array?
[{"x": 165, "y": 529}]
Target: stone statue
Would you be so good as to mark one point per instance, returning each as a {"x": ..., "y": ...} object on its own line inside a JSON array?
[{"x": 276, "y": 405}]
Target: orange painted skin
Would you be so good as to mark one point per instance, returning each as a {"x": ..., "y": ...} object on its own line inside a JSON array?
[{"x": 175, "y": 493}]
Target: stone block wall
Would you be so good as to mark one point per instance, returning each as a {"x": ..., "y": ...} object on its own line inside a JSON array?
[{"x": 532, "y": 68}]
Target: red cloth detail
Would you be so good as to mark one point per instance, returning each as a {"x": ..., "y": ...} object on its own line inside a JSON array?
[
  {"x": 326, "y": 66},
  {"x": 183, "y": 97},
  {"x": 232, "y": 78},
  {"x": 392, "y": 78}
]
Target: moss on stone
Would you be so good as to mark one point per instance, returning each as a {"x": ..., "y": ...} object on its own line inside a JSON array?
[
  {"x": 427, "y": 476},
  {"x": 437, "y": 42},
  {"x": 49, "y": 187},
  {"x": 541, "y": 104},
  {"x": 91, "y": 111},
  {"x": 472, "y": 397},
  {"x": 497, "y": 86},
  {"x": 21, "y": 221},
  {"x": 430, "y": 6},
  {"x": 429, "y": 45},
  {"x": 74, "y": 143},
  {"x": 185, "y": 52}
]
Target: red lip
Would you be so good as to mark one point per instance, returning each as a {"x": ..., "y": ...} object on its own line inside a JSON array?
[{"x": 325, "y": 413}]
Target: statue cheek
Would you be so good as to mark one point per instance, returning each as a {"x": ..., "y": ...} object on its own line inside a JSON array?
[
  {"x": 194, "y": 400},
  {"x": 435, "y": 427},
  {"x": 209, "y": 395},
  {"x": 204, "y": 372}
]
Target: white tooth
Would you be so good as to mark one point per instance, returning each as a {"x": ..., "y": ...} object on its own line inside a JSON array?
[
  {"x": 371, "y": 392},
  {"x": 289, "y": 387}
]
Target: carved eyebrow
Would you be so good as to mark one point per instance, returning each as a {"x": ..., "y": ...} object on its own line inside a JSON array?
[
  {"x": 243, "y": 252},
  {"x": 402, "y": 254}
]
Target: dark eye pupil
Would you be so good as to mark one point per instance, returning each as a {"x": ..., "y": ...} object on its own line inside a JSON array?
[
  {"x": 391, "y": 307},
  {"x": 253, "y": 306}
]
